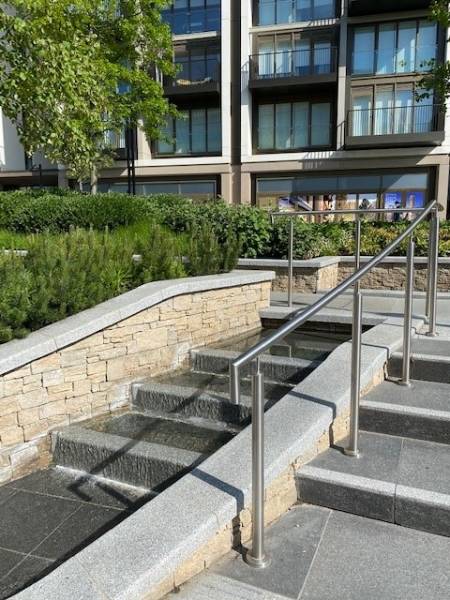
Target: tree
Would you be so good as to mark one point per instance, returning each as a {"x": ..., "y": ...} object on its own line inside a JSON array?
[
  {"x": 74, "y": 71},
  {"x": 438, "y": 81}
]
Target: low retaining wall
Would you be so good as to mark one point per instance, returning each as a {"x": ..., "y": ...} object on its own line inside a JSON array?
[
  {"x": 324, "y": 273},
  {"x": 82, "y": 366}
]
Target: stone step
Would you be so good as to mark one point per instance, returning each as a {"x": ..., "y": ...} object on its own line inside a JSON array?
[
  {"x": 200, "y": 395},
  {"x": 124, "y": 459},
  {"x": 430, "y": 360},
  {"x": 275, "y": 368},
  {"x": 399, "y": 480},
  {"x": 421, "y": 411},
  {"x": 311, "y": 345}
]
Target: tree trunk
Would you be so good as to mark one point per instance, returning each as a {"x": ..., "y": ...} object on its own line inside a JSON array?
[{"x": 94, "y": 180}]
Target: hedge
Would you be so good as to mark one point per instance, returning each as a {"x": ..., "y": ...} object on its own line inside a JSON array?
[{"x": 59, "y": 211}]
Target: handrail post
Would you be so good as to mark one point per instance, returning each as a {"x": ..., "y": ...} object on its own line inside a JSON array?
[
  {"x": 291, "y": 263},
  {"x": 256, "y": 557},
  {"x": 409, "y": 289},
  {"x": 353, "y": 449},
  {"x": 235, "y": 389},
  {"x": 433, "y": 266}
]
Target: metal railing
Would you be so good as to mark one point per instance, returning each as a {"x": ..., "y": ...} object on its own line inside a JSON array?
[
  {"x": 396, "y": 120},
  {"x": 194, "y": 71},
  {"x": 256, "y": 556},
  {"x": 293, "y": 63}
]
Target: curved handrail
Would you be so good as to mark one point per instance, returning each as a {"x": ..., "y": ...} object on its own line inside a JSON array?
[{"x": 300, "y": 317}]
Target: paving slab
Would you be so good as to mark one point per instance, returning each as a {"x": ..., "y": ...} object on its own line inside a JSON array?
[
  {"x": 291, "y": 544},
  {"x": 23, "y": 575},
  {"x": 365, "y": 559}
]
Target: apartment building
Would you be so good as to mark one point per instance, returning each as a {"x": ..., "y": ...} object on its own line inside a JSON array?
[{"x": 292, "y": 103}]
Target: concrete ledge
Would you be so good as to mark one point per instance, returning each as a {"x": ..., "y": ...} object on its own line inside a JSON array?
[
  {"x": 163, "y": 544},
  {"x": 54, "y": 337}
]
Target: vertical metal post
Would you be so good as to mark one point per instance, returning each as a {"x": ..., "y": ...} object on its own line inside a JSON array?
[
  {"x": 256, "y": 557},
  {"x": 352, "y": 449},
  {"x": 409, "y": 289},
  {"x": 429, "y": 269},
  {"x": 291, "y": 263},
  {"x": 433, "y": 266},
  {"x": 235, "y": 390}
]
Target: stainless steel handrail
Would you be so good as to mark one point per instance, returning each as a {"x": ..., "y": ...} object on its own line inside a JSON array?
[
  {"x": 257, "y": 556},
  {"x": 349, "y": 211}
]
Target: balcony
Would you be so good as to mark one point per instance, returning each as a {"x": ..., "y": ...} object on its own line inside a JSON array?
[
  {"x": 118, "y": 143},
  {"x": 421, "y": 125},
  {"x": 293, "y": 68},
  {"x": 198, "y": 75},
  {"x": 196, "y": 20},
  {"x": 369, "y": 7}
]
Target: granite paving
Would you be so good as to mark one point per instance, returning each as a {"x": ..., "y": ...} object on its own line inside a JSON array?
[{"x": 49, "y": 516}]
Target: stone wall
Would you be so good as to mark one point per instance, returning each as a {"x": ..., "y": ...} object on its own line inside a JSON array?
[
  {"x": 315, "y": 275},
  {"x": 92, "y": 376}
]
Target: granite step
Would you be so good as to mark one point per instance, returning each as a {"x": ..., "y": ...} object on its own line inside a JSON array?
[
  {"x": 275, "y": 368},
  {"x": 399, "y": 480},
  {"x": 200, "y": 395},
  {"x": 430, "y": 360},
  {"x": 421, "y": 411},
  {"x": 136, "y": 449}
]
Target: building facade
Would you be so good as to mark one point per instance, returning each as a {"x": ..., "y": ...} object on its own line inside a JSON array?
[{"x": 291, "y": 102}]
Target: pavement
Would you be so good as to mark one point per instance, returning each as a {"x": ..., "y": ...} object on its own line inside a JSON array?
[
  {"x": 321, "y": 554},
  {"x": 51, "y": 515}
]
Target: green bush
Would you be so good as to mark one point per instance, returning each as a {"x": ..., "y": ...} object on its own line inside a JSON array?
[{"x": 63, "y": 274}]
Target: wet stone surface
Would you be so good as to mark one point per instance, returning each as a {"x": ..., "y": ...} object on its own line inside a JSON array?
[{"x": 51, "y": 515}]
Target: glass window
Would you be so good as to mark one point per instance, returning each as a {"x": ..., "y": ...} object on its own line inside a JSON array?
[
  {"x": 406, "y": 47},
  {"x": 214, "y": 130},
  {"x": 323, "y": 9},
  {"x": 322, "y": 57},
  {"x": 384, "y": 104},
  {"x": 364, "y": 49},
  {"x": 198, "y": 121},
  {"x": 320, "y": 124},
  {"x": 266, "y": 127},
  {"x": 426, "y": 45},
  {"x": 166, "y": 143},
  {"x": 283, "y": 126},
  {"x": 387, "y": 34},
  {"x": 266, "y": 12},
  {"x": 301, "y": 120},
  {"x": 361, "y": 114}
]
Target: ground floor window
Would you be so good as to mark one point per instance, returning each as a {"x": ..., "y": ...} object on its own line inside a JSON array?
[
  {"x": 382, "y": 190},
  {"x": 197, "y": 190}
]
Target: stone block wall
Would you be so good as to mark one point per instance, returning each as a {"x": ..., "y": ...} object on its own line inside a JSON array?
[
  {"x": 392, "y": 276},
  {"x": 92, "y": 376}
]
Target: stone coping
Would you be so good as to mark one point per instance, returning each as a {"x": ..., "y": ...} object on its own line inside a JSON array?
[
  {"x": 327, "y": 261},
  {"x": 58, "y": 335},
  {"x": 131, "y": 560}
]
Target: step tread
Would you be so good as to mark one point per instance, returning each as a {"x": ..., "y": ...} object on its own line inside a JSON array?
[
  {"x": 116, "y": 443},
  {"x": 402, "y": 480},
  {"x": 427, "y": 397},
  {"x": 200, "y": 436}
]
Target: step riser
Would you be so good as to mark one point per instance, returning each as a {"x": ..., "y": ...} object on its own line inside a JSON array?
[
  {"x": 383, "y": 505},
  {"x": 198, "y": 405},
  {"x": 404, "y": 425},
  {"x": 122, "y": 466},
  {"x": 273, "y": 371},
  {"x": 422, "y": 369}
]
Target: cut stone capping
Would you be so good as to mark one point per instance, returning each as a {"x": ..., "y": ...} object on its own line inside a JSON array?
[
  {"x": 83, "y": 366},
  {"x": 199, "y": 518}
]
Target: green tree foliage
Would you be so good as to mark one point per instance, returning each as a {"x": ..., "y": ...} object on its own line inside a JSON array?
[
  {"x": 73, "y": 70},
  {"x": 438, "y": 81}
]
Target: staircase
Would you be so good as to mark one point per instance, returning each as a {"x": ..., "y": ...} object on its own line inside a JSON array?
[
  {"x": 403, "y": 474},
  {"x": 178, "y": 420}
]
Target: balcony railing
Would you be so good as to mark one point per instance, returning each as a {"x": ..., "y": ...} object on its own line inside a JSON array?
[
  {"x": 400, "y": 120},
  {"x": 293, "y": 63},
  {"x": 195, "y": 73},
  {"x": 388, "y": 62},
  {"x": 196, "y": 20},
  {"x": 277, "y": 12}
]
